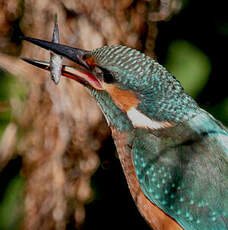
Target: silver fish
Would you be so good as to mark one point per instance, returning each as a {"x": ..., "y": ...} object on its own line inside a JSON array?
[{"x": 55, "y": 59}]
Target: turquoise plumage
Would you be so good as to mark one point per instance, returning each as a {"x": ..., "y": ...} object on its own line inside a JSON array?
[{"x": 184, "y": 171}]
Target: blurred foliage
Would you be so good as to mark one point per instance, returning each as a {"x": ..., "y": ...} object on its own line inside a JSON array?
[
  {"x": 189, "y": 65},
  {"x": 11, "y": 204},
  {"x": 5, "y": 84},
  {"x": 11, "y": 207},
  {"x": 192, "y": 67},
  {"x": 10, "y": 88}
]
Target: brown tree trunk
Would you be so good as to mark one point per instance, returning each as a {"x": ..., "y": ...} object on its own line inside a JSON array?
[{"x": 61, "y": 126}]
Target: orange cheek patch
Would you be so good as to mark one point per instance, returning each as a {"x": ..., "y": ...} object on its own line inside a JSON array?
[{"x": 124, "y": 99}]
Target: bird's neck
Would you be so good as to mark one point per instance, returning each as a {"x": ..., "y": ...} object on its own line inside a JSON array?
[
  {"x": 114, "y": 116},
  {"x": 169, "y": 108}
]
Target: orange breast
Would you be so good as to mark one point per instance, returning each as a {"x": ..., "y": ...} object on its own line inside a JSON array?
[{"x": 155, "y": 217}]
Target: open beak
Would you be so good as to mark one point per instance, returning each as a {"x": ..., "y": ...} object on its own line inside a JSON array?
[
  {"x": 77, "y": 74},
  {"x": 82, "y": 75}
]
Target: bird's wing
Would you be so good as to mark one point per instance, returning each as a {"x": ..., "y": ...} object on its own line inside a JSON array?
[{"x": 185, "y": 173}]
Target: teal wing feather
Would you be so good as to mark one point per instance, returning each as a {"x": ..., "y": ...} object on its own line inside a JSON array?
[{"x": 184, "y": 171}]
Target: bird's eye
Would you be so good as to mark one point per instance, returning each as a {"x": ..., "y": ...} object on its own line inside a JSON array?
[{"x": 107, "y": 75}]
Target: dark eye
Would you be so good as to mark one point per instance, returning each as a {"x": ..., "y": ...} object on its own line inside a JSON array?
[{"x": 107, "y": 75}]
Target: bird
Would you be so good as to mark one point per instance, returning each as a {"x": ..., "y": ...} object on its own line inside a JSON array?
[{"x": 173, "y": 153}]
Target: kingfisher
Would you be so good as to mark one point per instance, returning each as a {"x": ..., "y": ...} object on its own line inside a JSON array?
[{"x": 173, "y": 153}]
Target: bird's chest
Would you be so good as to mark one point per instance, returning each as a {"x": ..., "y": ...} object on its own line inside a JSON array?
[{"x": 155, "y": 217}]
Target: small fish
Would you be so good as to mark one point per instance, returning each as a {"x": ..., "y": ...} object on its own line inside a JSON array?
[{"x": 55, "y": 59}]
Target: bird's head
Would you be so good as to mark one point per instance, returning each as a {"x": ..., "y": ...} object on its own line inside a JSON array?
[{"x": 132, "y": 89}]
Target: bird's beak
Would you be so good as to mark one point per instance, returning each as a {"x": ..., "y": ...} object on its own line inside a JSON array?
[
  {"x": 77, "y": 74},
  {"x": 83, "y": 75}
]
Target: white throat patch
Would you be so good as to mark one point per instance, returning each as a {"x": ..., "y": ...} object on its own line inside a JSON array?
[{"x": 139, "y": 120}]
